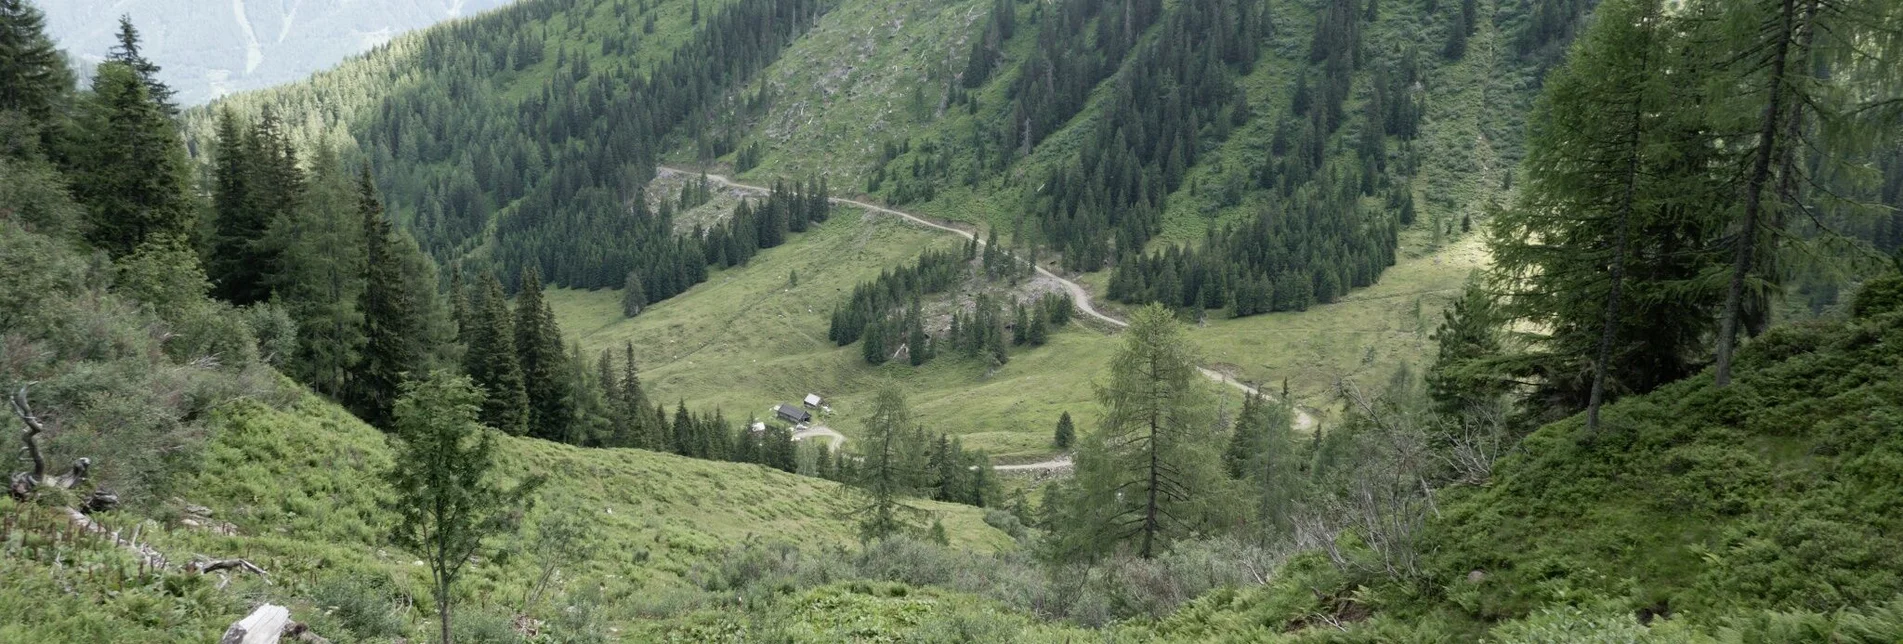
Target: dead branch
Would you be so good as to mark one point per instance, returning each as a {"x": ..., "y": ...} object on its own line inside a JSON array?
[
  {"x": 215, "y": 565},
  {"x": 32, "y": 431}
]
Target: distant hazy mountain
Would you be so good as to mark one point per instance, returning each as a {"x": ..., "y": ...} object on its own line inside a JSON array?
[{"x": 210, "y": 48}]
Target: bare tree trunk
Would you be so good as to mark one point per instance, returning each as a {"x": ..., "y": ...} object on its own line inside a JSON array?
[
  {"x": 442, "y": 608},
  {"x": 1150, "y": 522},
  {"x": 1611, "y": 328},
  {"x": 1742, "y": 258}
]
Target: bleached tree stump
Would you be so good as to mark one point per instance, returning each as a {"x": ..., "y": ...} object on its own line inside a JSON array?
[{"x": 262, "y": 626}]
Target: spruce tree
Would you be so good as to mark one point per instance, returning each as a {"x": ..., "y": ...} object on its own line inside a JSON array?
[
  {"x": 258, "y": 185},
  {"x": 1468, "y": 339},
  {"x": 634, "y": 295},
  {"x": 132, "y": 173},
  {"x": 1040, "y": 332},
  {"x": 33, "y": 75},
  {"x": 393, "y": 321},
  {"x": 634, "y": 403},
  {"x": 1066, "y": 432},
  {"x": 538, "y": 346},
  {"x": 873, "y": 351},
  {"x": 683, "y": 441},
  {"x": 127, "y": 53},
  {"x": 492, "y": 362}
]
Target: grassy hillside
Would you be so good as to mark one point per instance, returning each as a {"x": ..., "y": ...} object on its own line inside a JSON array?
[
  {"x": 297, "y": 492},
  {"x": 746, "y": 340},
  {"x": 1765, "y": 511}
]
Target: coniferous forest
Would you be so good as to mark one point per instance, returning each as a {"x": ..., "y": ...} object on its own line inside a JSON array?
[{"x": 330, "y": 362}]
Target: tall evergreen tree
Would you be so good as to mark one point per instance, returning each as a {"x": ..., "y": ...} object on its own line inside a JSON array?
[
  {"x": 1264, "y": 453},
  {"x": 1617, "y": 229},
  {"x": 1818, "y": 70},
  {"x": 258, "y": 184},
  {"x": 33, "y": 75},
  {"x": 320, "y": 276},
  {"x": 127, "y": 53},
  {"x": 634, "y": 402},
  {"x": 888, "y": 469},
  {"x": 393, "y": 321},
  {"x": 634, "y": 297},
  {"x": 538, "y": 346},
  {"x": 492, "y": 362},
  {"x": 1066, "y": 433},
  {"x": 133, "y": 176},
  {"x": 1469, "y": 340}
]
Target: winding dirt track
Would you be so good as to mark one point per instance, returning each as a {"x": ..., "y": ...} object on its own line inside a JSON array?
[{"x": 1078, "y": 295}]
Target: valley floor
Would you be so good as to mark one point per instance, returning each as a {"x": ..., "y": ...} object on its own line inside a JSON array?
[{"x": 753, "y": 336}]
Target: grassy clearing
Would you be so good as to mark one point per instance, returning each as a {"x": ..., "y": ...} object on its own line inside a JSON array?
[
  {"x": 746, "y": 339},
  {"x": 1366, "y": 336}
]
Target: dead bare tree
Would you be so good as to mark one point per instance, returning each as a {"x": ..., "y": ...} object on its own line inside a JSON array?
[
  {"x": 22, "y": 484},
  {"x": 1383, "y": 495},
  {"x": 1475, "y": 440}
]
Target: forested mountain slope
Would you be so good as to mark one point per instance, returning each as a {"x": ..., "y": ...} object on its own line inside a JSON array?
[
  {"x": 1320, "y": 129},
  {"x": 520, "y": 137},
  {"x": 881, "y": 99}
]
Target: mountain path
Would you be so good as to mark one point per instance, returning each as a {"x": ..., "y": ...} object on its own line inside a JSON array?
[{"x": 1079, "y": 296}]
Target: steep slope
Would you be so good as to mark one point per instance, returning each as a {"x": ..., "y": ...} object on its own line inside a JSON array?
[
  {"x": 211, "y": 48},
  {"x": 501, "y": 139},
  {"x": 1767, "y": 508},
  {"x": 879, "y": 91},
  {"x": 519, "y": 137}
]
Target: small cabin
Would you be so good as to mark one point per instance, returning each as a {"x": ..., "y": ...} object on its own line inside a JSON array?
[
  {"x": 792, "y": 414},
  {"x": 813, "y": 401}
]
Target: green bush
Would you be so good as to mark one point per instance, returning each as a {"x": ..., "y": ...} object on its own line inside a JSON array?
[{"x": 1878, "y": 296}]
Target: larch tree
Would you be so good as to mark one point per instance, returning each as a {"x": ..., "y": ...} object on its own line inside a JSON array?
[
  {"x": 320, "y": 276},
  {"x": 889, "y": 468},
  {"x": 1802, "y": 72},
  {"x": 1617, "y": 228},
  {"x": 1143, "y": 477},
  {"x": 1264, "y": 453}
]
